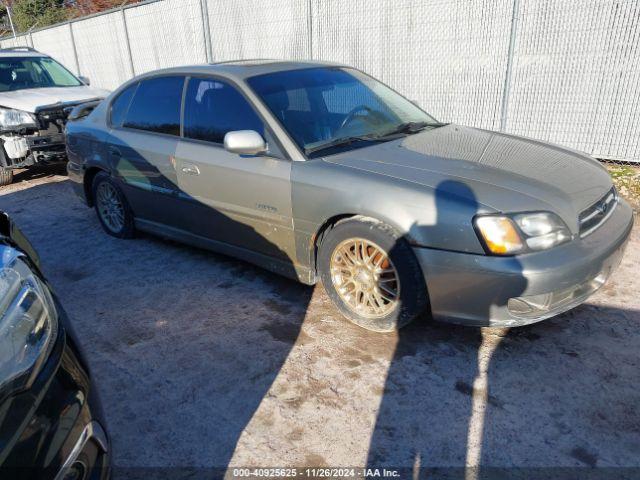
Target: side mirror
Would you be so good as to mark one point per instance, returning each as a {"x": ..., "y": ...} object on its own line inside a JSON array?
[
  {"x": 245, "y": 142},
  {"x": 84, "y": 80}
]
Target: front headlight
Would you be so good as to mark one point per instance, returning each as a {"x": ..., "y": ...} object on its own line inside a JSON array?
[
  {"x": 28, "y": 323},
  {"x": 10, "y": 118},
  {"x": 520, "y": 233}
]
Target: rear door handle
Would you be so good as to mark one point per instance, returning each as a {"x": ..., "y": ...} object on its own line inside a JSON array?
[
  {"x": 190, "y": 169},
  {"x": 115, "y": 152}
]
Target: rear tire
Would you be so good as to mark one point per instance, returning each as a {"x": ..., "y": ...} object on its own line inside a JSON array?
[
  {"x": 112, "y": 207},
  {"x": 6, "y": 177},
  {"x": 371, "y": 274}
]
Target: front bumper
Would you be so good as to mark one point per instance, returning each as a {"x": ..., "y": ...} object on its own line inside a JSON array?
[
  {"x": 475, "y": 290},
  {"x": 28, "y": 150},
  {"x": 56, "y": 427}
]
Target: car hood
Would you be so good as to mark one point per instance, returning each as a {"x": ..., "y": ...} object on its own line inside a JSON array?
[
  {"x": 504, "y": 172},
  {"x": 30, "y": 99}
]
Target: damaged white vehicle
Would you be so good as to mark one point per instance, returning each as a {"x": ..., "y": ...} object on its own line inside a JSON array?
[{"x": 36, "y": 96}]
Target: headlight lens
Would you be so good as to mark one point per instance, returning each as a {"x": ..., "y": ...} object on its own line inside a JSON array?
[
  {"x": 10, "y": 118},
  {"x": 543, "y": 230},
  {"x": 499, "y": 234},
  {"x": 28, "y": 322},
  {"x": 509, "y": 235}
]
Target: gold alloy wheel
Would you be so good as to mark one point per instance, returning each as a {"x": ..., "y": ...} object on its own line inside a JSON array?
[{"x": 365, "y": 278}]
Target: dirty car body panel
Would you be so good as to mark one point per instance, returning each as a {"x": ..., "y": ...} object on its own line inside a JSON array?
[{"x": 430, "y": 185}]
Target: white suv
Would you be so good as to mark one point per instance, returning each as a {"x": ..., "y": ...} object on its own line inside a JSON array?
[{"x": 36, "y": 96}]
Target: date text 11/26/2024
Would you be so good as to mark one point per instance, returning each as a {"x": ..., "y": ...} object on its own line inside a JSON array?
[{"x": 305, "y": 472}]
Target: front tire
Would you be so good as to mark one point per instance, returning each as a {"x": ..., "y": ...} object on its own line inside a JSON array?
[
  {"x": 112, "y": 207},
  {"x": 6, "y": 177},
  {"x": 371, "y": 275}
]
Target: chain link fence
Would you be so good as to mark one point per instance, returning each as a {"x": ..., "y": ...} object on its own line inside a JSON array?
[{"x": 558, "y": 70}]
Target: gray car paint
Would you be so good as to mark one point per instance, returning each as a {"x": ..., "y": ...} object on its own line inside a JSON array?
[
  {"x": 273, "y": 208},
  {"x": 508, "y": 173}
]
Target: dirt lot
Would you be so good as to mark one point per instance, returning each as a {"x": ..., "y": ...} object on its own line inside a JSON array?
[{"x": 204, "y": 361}]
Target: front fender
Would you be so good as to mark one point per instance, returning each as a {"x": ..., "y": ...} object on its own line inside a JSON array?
[{"x": 439, "y": 217}]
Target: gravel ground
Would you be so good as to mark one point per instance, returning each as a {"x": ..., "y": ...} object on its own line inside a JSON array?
[{"x": 202, "y": 360}]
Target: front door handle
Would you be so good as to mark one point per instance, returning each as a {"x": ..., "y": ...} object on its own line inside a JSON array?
[{"x": 190, "y": 169}]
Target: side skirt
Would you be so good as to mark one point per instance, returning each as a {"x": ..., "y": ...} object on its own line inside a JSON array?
[{"x": 281, "y": 267}]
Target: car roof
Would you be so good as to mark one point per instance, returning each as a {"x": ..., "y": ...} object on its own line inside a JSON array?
[
  {"x": 242, "y": 69},
  {"x": 21, "y": 49},
  {"x": 20, "y": 53}
]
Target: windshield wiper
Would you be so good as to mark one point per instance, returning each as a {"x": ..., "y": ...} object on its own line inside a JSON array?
[
  {"x": 407, "y": 127},
  {"x": 410, "y": 127},
  {"x": 338, "y": 142}
]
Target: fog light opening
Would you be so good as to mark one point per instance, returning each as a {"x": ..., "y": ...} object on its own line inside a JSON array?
[
  {"x": 546, "y": 304},
  {"x": 77, "y": 471}
]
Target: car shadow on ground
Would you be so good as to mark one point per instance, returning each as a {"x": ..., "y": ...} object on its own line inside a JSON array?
[
  {"x": 238, "y": 321},
  {"x": 541, "y": 401},
  {"x": 187, "y": 344}
]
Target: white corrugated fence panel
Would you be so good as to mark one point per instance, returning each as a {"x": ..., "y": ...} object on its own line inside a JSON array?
[
  {"x": 102, "y": 51},
  {"x": 259, "y": 29},
  {"x": 56, "y": 42},
  {"x": 19, "y": 41},
  {"x": 576, "y": 64},
  {"x": 448, "y": 55},
  {"x": 576, "y": 76},
  {"x": 166, "y": 34}
]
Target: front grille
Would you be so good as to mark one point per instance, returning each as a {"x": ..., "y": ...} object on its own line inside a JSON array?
[{"x": 594, "y": 216}]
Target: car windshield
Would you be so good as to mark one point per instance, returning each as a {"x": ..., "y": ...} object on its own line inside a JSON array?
[
  {"x": 18, "y": 73},
  {"x": 331, "y": 109}
]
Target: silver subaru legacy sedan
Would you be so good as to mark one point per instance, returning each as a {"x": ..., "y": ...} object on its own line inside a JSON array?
[{"x": 319, "y": 172}]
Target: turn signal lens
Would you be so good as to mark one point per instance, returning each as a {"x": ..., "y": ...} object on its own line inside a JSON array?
[{"x": 500, "y": 235}]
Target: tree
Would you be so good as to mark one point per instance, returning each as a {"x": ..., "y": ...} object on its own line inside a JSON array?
[
  {"x": 27, "y": 13},
  {"x": 87, "y": 7},
  {"x": 5, "y": 25}
]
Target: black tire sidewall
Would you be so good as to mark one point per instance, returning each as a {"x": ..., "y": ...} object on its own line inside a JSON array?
[
  {"x": 128, "y": 229},
  {"x": 413, "y": 291},
  {"x": 6, "y": 176}
]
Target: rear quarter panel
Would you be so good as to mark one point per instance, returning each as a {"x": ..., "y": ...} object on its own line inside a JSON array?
[
  {"x": 86, "y": 136},
  {"x": 86, "y": 148}
]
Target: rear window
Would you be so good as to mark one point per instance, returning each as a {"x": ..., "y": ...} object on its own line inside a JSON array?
[
  {"x": 121, "y": 104},
  {"x": 156, "y": 106}
]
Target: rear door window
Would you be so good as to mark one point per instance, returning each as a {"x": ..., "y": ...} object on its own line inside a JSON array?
[
  {"x": 120, "y": 105},
  {"x": 213, "y": 108},
  {"x": 156, "y": 106}
]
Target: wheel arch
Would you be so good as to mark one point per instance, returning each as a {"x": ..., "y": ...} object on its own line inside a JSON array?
[
  {"x": 89, "y": 175},
  {"x": 398, "y": 238},
  {"x": 328, "y": 224}
]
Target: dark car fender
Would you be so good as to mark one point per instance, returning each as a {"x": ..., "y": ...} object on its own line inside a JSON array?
[{"x": 86, "y": 152}]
